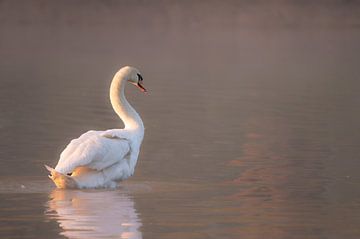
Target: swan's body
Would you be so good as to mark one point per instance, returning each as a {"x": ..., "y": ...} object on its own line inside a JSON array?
[{"x": 103, "y": 158}]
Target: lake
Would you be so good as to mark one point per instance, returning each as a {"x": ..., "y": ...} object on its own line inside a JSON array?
[{"x": 252, "y": 117}]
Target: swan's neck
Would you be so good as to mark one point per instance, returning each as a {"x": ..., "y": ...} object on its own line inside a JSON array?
[{"x": 126, "y": 112}]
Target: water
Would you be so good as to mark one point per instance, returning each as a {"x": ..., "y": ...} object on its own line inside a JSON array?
[{"x": 252, "y": 117}]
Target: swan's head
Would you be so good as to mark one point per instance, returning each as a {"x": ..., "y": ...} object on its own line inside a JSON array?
[{"x": 133, "y": 76}]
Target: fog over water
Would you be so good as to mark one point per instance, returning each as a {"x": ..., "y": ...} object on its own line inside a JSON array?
[{"x": 252, "y": 117}]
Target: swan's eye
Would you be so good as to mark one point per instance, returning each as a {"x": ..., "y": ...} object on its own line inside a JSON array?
[{"x": 140, "y": 77}]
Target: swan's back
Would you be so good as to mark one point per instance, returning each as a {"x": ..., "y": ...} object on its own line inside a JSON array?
[{"x": 93, "y": 151}]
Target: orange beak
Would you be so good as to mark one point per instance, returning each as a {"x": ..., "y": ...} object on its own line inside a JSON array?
[{"x": 141, "y": 87}]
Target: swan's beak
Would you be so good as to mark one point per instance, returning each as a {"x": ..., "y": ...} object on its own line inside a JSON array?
[{"x": 141, "y": 87}]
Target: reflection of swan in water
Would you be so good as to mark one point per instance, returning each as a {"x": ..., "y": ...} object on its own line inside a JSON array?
[{"x": 94, "y": 214}]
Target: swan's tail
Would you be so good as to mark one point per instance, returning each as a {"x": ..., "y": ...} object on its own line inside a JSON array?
[{"x": 61, "y": 180}]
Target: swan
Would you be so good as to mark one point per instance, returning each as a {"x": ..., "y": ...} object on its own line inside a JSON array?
[{"x": 100, "y": 159}]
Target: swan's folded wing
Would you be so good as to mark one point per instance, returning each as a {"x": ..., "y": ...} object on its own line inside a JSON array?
[
  {"x": 115, "y": 134},
  {"x": 93, "y": 151}
]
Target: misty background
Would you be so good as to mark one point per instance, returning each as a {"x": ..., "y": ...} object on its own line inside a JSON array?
[{"x": 255, "y": 102}]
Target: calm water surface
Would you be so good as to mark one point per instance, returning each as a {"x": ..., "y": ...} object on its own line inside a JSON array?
[{"x": 252, "y": 118}]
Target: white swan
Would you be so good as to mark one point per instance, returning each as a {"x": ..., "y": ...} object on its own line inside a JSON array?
[{"x": 103, "y": 158}]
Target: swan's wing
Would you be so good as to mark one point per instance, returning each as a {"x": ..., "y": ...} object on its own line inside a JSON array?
[
  {"x": 92, "y": 151},
  {"x": 115, "y": 134}
]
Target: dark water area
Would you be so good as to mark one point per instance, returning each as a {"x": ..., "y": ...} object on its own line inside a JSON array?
[{"x": 252, "y": 117}]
